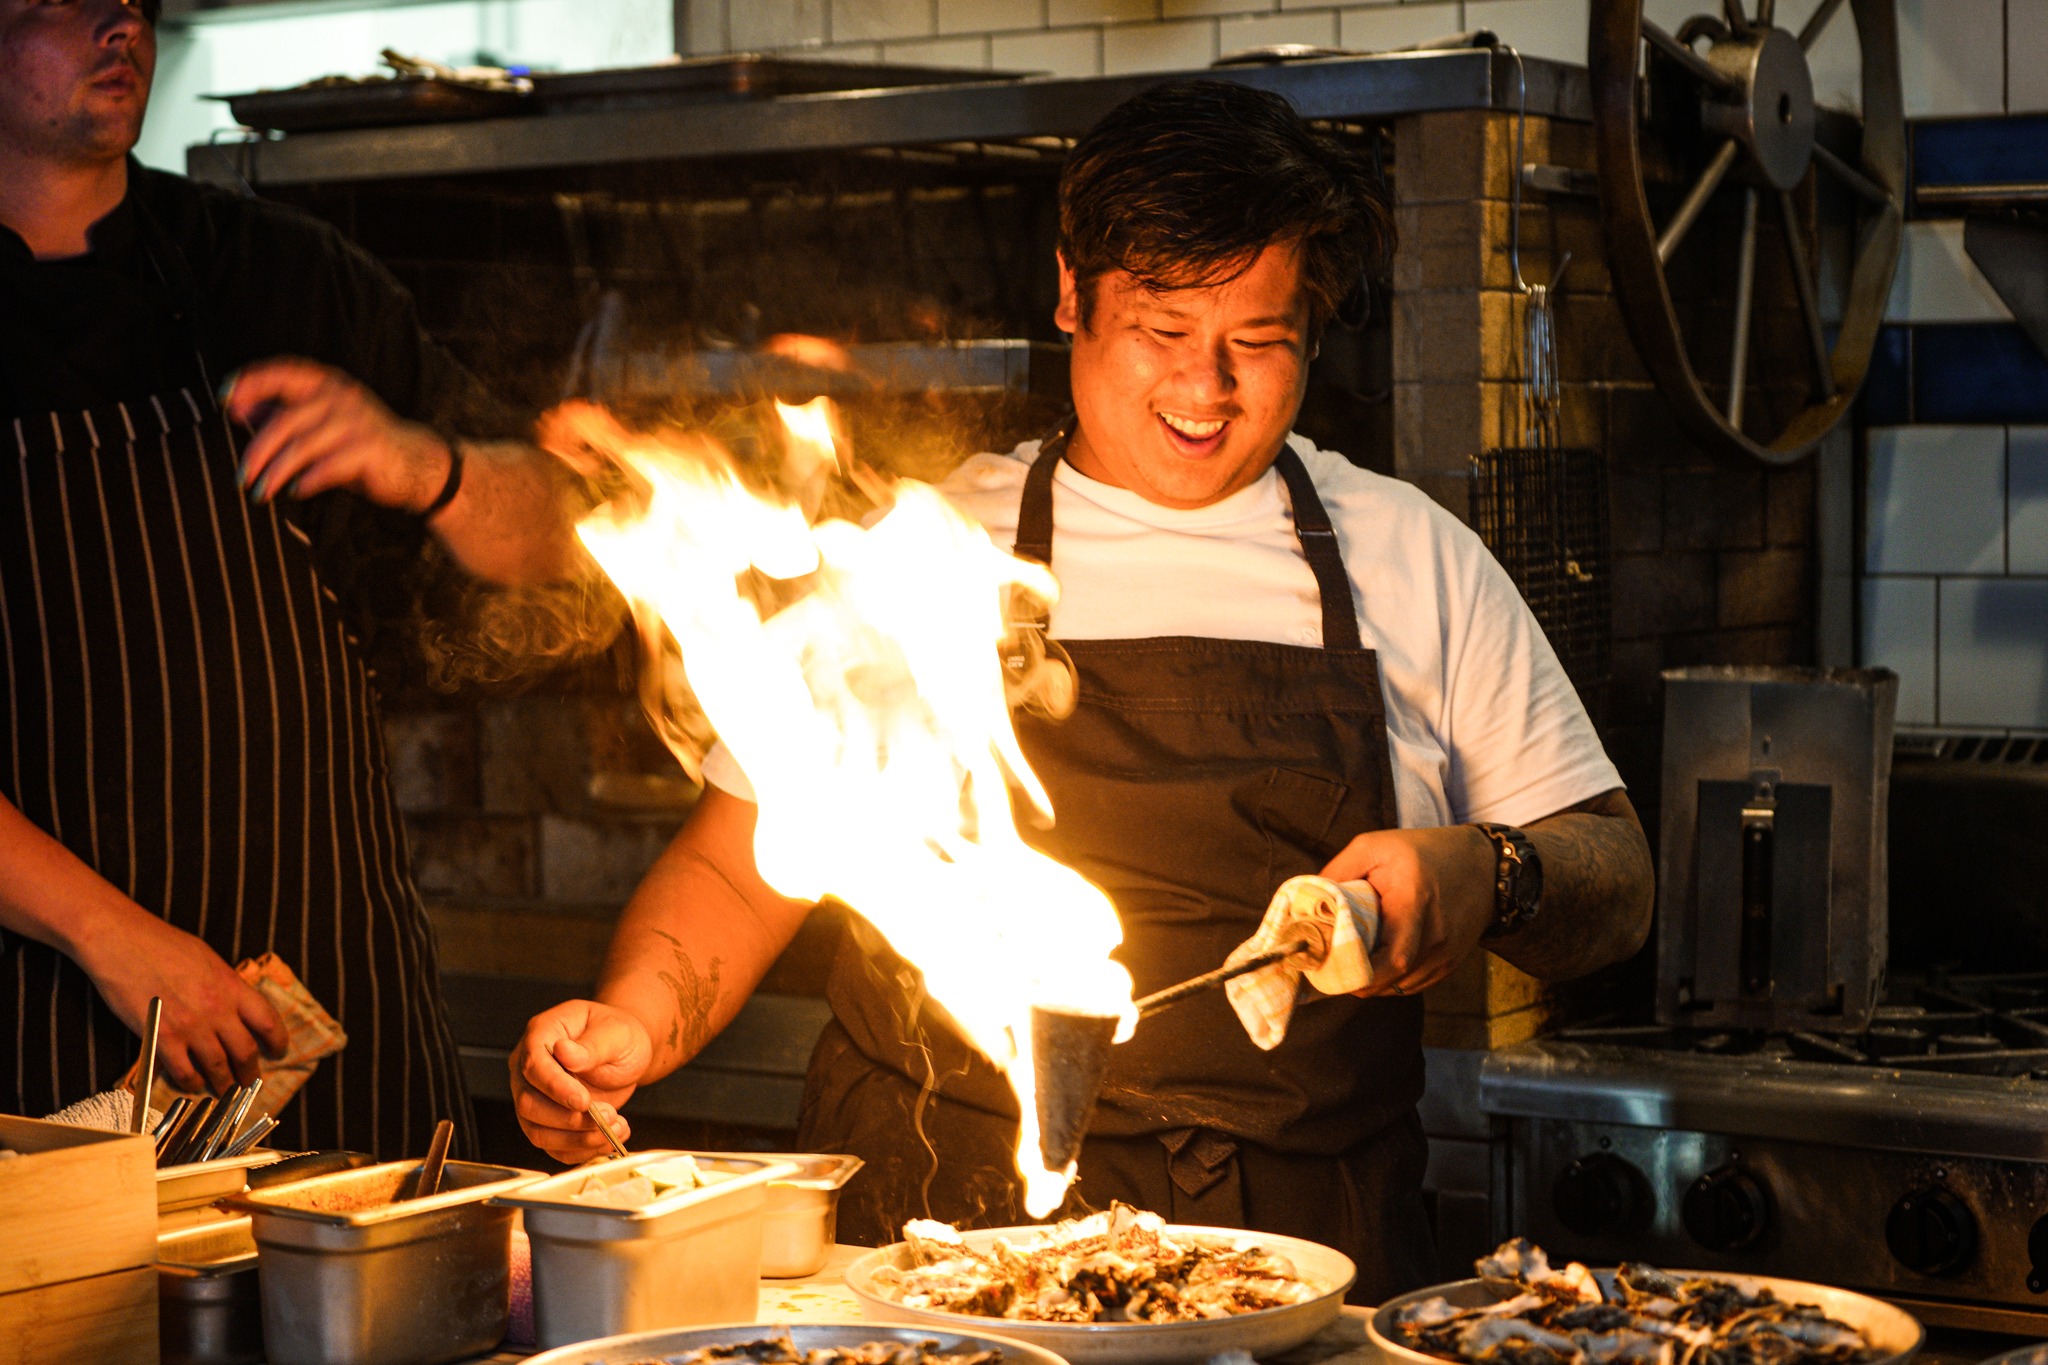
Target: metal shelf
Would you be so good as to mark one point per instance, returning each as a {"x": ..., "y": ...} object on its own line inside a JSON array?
[{"x": 992, "y": 112}]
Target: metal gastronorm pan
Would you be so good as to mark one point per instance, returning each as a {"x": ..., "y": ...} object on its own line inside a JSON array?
[
  {"x": 1260, "y": 1334},
  {"x": 1893, "y": 1331},
  {"x": 352, "y": 1275},
  {"x": 806, "y": 1336}
]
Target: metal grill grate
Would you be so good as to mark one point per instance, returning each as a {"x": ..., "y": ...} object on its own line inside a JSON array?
[{"x": 1543, "y": 513}]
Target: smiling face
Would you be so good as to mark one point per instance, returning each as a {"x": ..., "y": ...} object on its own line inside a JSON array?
[
  {"x": 74, "y": 78},
  {"x": 1185, "y": 396}
]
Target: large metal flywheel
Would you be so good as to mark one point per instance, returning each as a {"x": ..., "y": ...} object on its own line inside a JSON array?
[{"x": 1709, "y": 138}]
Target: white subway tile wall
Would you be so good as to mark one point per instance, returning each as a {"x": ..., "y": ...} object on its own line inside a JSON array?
[
  {"x": 859, "y": 20},
  {"x": 2026, "y": 507},
  {"x": 1993, "y": 652},
  {"x": 1938, "y": 282},
  {"x": 1955, "y": 597},
  {"x": 1952, "y": 56},
  {"x": 1936, "y": 500},
  {"x": 2026, "y": 57},
  {"x": 1958, "y": 56},
  {"x": 1898, "y": 631}
]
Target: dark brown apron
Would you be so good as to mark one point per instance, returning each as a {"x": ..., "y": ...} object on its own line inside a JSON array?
[{"x": 1194, "y": 777}]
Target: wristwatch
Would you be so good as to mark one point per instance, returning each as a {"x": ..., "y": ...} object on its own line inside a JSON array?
[{"x": 1517, "y": 879}]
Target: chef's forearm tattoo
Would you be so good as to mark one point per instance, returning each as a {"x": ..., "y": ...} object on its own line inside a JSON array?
[
  {"x": 696, "y": 996},
  {"x": 1598, "y": 886}
]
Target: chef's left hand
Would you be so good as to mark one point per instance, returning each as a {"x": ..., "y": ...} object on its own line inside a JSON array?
[
  {"x": 1436, "y": 899},
  {"x": 317, "y": 428}
]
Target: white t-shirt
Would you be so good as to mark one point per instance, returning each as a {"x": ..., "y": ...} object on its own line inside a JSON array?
[{"x": 1481, "y": 720}]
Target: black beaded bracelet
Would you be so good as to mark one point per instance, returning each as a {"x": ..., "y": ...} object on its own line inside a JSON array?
[{"x": 454, "y": 484}]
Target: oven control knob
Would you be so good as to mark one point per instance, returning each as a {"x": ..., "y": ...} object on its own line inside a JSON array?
[
  {"x": 1727, "y": 1209},
  {"x": 1599, "y": 1193},
  {"x": 1931, "y": 1231}
]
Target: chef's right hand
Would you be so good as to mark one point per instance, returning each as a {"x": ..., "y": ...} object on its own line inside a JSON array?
[
  {"x": 575, "y": 1055},
  {"x": 214, "y": 1023}
]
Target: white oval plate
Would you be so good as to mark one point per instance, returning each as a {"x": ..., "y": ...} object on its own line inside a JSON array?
[{"x": 1263, "y": 1333}]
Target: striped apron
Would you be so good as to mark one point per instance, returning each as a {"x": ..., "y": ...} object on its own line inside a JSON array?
[{"x": 182, "y": 706}]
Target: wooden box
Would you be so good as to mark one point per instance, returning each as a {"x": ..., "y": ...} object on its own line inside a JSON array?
[{"x": 77, "y": 1244}]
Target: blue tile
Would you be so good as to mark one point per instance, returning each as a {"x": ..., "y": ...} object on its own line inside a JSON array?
[
  {"x": 1981, "y": 151},
  {"x": 1978, "y": 372},
  {"x": 1888, "y": 390}
]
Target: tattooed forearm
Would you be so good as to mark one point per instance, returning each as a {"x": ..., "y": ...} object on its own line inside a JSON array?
[
  {"x": 696, "y": 996},
  {"x": 1598, "y": 890}
]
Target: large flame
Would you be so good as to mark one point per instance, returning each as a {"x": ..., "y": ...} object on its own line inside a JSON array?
[{"x": 854, "y": 674}]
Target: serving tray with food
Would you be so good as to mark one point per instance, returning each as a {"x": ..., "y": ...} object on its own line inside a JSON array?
[
  {"x": 859, "y": 1343},
  {"x": 1120, "y": 1288},
  {"x": 1522, "y": 1310}
]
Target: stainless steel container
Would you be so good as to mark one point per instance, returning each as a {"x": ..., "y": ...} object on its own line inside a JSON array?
[
  {"x": 801, "y": 1220},
  {"x": 351, "y": 1278},
  {"x": 689, "y": 1258},
  {"x": 209, "y": 1309},
  {"x": 197, "y": 1184}
]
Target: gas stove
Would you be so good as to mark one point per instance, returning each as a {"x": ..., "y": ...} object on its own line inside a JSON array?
[{"x": 1907, "y": 1158}]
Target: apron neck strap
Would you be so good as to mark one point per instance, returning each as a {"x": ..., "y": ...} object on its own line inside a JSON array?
[
  {"x": 1311, "y": 527},
  {"x": 1319, "y": 546}
]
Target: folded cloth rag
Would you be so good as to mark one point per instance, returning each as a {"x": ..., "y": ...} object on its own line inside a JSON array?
[
  {"x": 110, "y": 1110},
  {"x": 311, "y": 1033},
  {"x": 1345, "y": 915}
]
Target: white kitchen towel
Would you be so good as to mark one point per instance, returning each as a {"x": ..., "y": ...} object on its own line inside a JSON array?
[{"x": 1347, "y": 914}]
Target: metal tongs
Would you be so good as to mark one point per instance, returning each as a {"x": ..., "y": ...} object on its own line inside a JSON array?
[{"x": 208, "y": 1128}]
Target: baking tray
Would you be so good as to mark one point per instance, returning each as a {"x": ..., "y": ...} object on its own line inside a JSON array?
[
  {"x": 739, "y": 75},
  {"x": 374, "y": 103},
  {"x": 1891, "y": 1330},
  {"x": 1261, "y": 1334},
  {"x": 808, "y": 1336}
]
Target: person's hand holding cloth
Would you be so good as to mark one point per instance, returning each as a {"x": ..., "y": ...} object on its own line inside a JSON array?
[{"x": 1335, "y": 926}]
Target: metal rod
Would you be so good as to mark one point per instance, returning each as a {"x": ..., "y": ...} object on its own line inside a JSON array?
[
  {"x": 1766, "y": 13},
  {"x": 145, "y": 1078},
  {"x": 618, "y": 1147},
  {"x": 255, "y": 1133},
  {"x": 1701, "y": 69},
  {"x": 1850, "y": 176},
  {"x": 177, "y": 1148},
  {"x": 168, "y": 1124},
  {"x": 1745, "y": 307},
  {"x": 1809, "y": 298},
  {"x": 1195, "y": 985},
  {"x": 224, "y": 1137},
  {"x": 1737, "y": 20},
  {"x": 1816, "y": 23},
  {"x": 1695, "y": 201}
]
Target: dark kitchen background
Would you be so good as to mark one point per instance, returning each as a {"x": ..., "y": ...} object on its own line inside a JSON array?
[{"x": 1918, "y": 540}]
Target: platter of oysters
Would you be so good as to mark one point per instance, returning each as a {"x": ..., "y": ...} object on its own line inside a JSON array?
[{"x": 1522, "y": 1310}]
